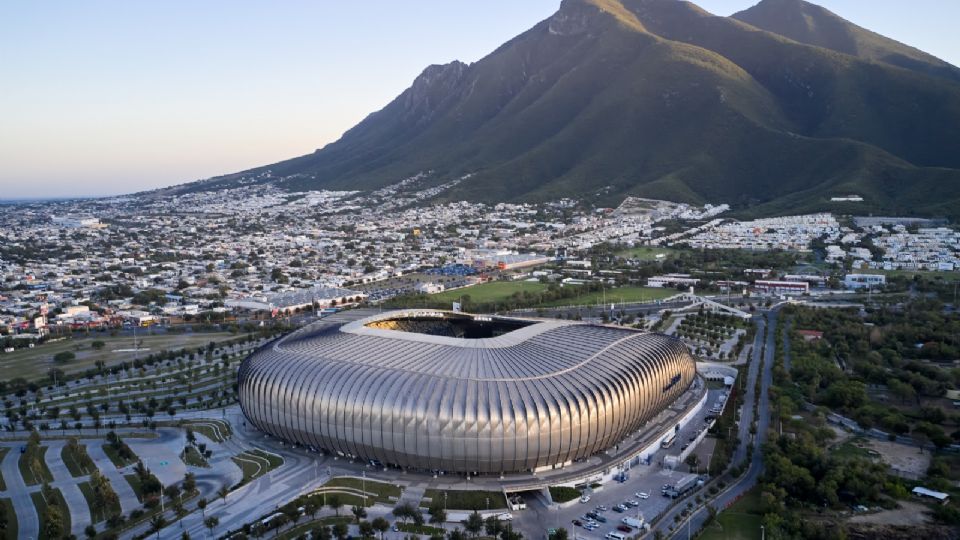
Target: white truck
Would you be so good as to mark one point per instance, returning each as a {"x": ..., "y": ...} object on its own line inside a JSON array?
[{"x": 636, "y": 523}]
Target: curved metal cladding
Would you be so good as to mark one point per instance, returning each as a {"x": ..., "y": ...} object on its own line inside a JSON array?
[{"x": 545, "y": 394}]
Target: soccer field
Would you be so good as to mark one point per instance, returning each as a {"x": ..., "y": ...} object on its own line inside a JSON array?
[
  {"x": 493, "y": 291},
  {"x": 500, "y": 291}
]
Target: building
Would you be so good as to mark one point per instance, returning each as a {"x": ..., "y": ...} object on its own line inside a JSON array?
[
  {"x": 864, "y": 281},
  {"x": 672, "y": 280},
  {"x": 781, "y": 287},
  {"x": 290, "y": 301},
  {"x": 441, "y": 391}
]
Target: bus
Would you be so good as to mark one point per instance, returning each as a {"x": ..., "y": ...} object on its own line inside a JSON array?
[{"x": 667, "y": 441}]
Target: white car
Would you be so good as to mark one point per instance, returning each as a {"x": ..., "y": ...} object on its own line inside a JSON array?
[
  {"x": 585, "y": 499},
  {"x": 642, "y": 495}
]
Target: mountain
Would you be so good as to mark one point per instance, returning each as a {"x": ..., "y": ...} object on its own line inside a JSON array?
[
  {"x": 811, "y": 24},
  {"x": 658, "y": 98}
]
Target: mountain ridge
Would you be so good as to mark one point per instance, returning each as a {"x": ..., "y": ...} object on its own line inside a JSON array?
[{"x": 657, "y": 98}]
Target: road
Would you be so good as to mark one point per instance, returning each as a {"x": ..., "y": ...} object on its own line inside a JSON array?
[{"x": 697, "y": 520}]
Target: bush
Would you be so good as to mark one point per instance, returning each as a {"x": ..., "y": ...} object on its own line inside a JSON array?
[{"x": 562, "y": 494}]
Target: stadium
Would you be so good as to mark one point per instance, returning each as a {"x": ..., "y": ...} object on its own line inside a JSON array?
[{"x": 442, "y": 391}]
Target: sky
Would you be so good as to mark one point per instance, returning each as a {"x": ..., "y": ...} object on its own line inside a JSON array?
[{"x": 110, "y": 97}]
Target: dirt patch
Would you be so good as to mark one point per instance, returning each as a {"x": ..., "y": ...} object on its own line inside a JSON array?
[
  {"x": 901, "y": 457},
  {"x": 909, "y": 514},
  {"x": 870, "y": 531}
]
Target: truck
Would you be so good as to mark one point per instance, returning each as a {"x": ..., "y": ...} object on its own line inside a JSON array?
[
  {"x": 636, "y": 523},
  {"x": 683, "y": 485}
]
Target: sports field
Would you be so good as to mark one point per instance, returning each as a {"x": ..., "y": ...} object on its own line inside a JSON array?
[
  {"x": 647, "y": 253},
  {"x": 493, "y": 291},
  {"x": 32, "y": 364},
  {"x": 501, "y": 291}
]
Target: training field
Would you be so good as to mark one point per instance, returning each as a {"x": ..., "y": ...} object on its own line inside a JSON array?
[
  {"x": 32, "y": 364},
  {"x": 500, "y": 291}
]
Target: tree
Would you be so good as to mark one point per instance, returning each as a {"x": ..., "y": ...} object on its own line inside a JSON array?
[
  {"x": 692, "y": 461},
  {"x": 90, "y": 531},
  {"x": 359, "y": 513},
  {"x": 381, "y": 525},
  {"x": 211, "y": 523},
  {"x": 98, "y": 345},
  {"x": 492, "y": 526},
  {"x": 340, "y": 530},
  {"x": 456, "y": 534},
  {"x": 322, "y": 533},
  {"x": 202, "y": 505},
  {"x": 292, "y": 513},
  {"x": 223, "y": 492},
  {"x": 560, "y": 534},
  {"x": 335, "y": 504},
  {"x": 63, "y": 357},
  {"x": 366, "y": 529},
  {"x": 473, "y": 524},
  {"x": 189, "y": 482},
  {"x": 437, "y": 513},
  {"x": 157, "y": 522}
]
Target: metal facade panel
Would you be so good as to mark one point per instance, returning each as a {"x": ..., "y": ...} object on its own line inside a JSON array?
[{"x": 562, "y": 392}]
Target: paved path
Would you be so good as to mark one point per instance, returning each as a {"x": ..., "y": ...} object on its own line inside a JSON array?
[
  {"x": 128, "y": 499},
  {"x": 67, "y": 484},
  {"x": 28, "y": 525}
]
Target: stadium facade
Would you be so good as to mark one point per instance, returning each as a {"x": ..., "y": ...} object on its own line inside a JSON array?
[{"x": 442, "y": 391}]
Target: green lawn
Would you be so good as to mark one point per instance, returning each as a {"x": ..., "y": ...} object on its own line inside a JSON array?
[
  {"x": 215, "y": 430},
  {"x": 303, "y": 528},
  {"x": 562, "y": 494},
  {"x": 98, "y": 515},
  {"x": 10, "y": 532},
  {"x": 614, "y": 296},
  {"x": 739, "y": 522},
  {"x": 191, "y": 456},
  {"x": 3, "y": 454},
  {"x": 381, "y": 492},
  {"x": 493, "y": 291},
  {"x": 646, "y": 253},
  {"x": 849, "y": 450},
  {"x": 33, "y": 364},
  {"x": 111, "y": 453},
  {"x": 465, "y": 500},
  {"x": 425, "y": 530},
  {"x": 41, "y": 506},
  {"x": 134, "y": 482},
  {"x": 255, "y": 463},
  {"x": 38, "y": 473},
  {"x": 78, "y": 463}
]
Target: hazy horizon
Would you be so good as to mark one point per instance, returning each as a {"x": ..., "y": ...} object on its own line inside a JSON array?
[{"x": 106, "y": 98}]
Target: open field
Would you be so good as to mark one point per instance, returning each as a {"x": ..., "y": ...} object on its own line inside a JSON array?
[
  {"x": 909, "y": 274},
  {"x": 739, "y": 522},
  {"x": 33, "y": 364},
  {"x": 646, "y": 253},
  {"x": 493, "y": 291}
]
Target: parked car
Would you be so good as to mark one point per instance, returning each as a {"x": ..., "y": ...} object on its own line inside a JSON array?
[
  {"x": 624, "y": 528},
  {"x": 577, "y": 523},
  {"x": 601, "y": 519},
  {"x": 643, "y": 495},
  {"x": 620, "y": 508},
  {"x": 602, "y": 508},
  {"x": 584, "y": 499}
]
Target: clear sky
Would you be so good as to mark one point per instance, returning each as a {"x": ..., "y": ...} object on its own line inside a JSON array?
[{"x": 107, "y": 97}]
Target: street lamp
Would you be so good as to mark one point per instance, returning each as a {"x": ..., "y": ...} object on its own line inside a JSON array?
[{"x": 763, "y": 533}]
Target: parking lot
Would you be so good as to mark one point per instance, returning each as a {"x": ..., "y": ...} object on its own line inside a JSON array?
[{"x": 641, "y": 479}]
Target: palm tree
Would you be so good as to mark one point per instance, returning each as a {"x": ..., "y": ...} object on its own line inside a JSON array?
[
  {"x": 335, "y": 504},
  {"x": 222, "y": 492},
  {"x": 158, "y": 522},
  {"x": 359, "y": 512},
  {"x": 211, "y": 523}
]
